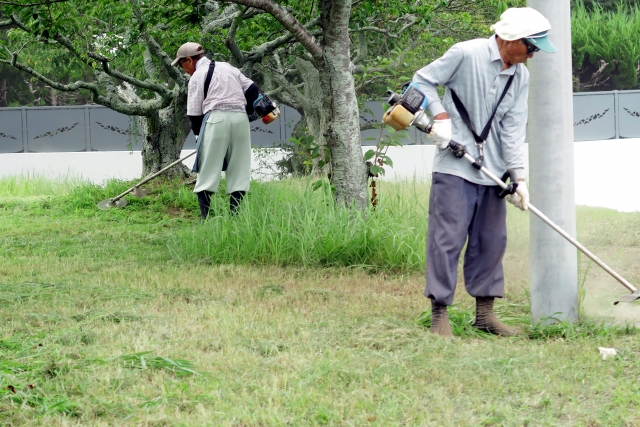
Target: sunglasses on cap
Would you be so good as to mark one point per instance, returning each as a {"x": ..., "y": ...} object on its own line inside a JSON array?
[{"x": 530, "y": 48}]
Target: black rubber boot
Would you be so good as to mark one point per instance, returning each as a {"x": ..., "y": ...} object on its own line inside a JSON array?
[
  {"x": 440, "y": 321},
  {"x": 487, "y": 321},
  {"x": 204, "y": 200},
  {"x": 234, "y": 201}
]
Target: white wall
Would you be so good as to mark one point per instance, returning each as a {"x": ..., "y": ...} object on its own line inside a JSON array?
[{"x": 606, "y": 171}]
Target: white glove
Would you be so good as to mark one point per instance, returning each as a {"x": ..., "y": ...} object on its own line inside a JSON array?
[
  {"x": 520, "y": 199},
  {"x": 440, "y": 133}
]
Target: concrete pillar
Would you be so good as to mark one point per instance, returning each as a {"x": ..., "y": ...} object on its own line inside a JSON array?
[{"x": 554, "y": 261}]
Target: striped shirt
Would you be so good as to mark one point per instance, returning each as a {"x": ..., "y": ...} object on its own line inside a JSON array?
[
  {"x": 473, "y": 69},
  {"x": 226, "y": 90}
]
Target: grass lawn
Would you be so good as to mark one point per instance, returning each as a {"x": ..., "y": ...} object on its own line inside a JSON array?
[{"x": 143, "y": 317}]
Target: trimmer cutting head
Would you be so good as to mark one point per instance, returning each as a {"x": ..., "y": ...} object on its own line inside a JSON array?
[
  {"x": 628, "y": 298},
  {"x": 107, "y": 204}
]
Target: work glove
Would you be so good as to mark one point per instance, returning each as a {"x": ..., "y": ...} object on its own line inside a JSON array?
[
  {"x": 440, "y": 133},
  {"x": 520, "y": 199}
]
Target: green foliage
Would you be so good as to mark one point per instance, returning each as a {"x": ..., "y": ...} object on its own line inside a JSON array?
[
  {"x": 392, "y": 61},
  {"x": 107, "y": 28},
  {"x": 377, "y": 158},
  {"x": 610, "y": 36},
  {"x": 502, "y": 5},
  {"x": 310, "y": 152},
  {"x": 605, "y": 5}
]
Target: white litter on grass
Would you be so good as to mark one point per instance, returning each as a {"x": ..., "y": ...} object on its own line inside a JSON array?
[{"x": 606, "y": 352}]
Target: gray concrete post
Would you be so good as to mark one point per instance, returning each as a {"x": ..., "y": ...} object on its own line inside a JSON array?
[{"x": 554, "y": 262}]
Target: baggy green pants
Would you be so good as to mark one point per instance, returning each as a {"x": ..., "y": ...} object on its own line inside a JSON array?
[{"x": 227, "y": 133}]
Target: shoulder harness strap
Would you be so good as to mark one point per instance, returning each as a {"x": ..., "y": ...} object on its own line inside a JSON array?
[
  {"x": 464, "y": 115},
  {"x": 207, "y": 81}
]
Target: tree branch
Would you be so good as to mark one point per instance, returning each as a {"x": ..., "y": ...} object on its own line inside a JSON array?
[
  {"x": 297, "y": 96},
  {"x": 388, "y": 33},
  {"x": 288, "y": 21},
  {"x": 371, "y": 125},
  {"x": 362, "y": 49},
  {"x": 159, "y": 89},
  {"x": 156, "y": 50},
  {"x": 226, "y": 18},
  {"x": 149, "y": 66},
  {"x": 267, "y": 48},
  {"x": 165, "y": 60},
  {"x": 128, "y": 93},
  {"x": 230, "y": 42},
  {"x": 144, "y": 108}
]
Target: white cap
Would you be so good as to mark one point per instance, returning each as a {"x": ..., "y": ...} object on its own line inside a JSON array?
[
  {"x": 188, "y": 50},
  {"x": 520, "y": 22}
]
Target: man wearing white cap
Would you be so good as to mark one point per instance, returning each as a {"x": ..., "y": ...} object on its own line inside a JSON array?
[
  {"x": 219, "y": 120},
  {"x": 485, "y": 109}
]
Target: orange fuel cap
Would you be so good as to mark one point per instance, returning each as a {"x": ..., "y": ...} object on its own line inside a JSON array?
[{"x": 271, "y": 116}]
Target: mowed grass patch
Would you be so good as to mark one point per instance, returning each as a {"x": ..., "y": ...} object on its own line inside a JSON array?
[{"x": 104, "y": 325}]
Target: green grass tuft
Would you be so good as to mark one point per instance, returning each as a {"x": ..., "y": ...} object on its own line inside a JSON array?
[{"x": 293, "y": 225}]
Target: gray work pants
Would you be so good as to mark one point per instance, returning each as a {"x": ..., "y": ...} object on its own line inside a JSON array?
[{"x": 459, "y": 209}]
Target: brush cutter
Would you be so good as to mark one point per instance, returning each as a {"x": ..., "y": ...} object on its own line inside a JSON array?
[
  {"x": 408, "y": 108},
  {"x": 138, "y": 192},
  {"x": 460, "y": 151}
]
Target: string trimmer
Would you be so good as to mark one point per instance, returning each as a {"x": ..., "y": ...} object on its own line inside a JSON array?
[
  {"x": 408, "y": 108},
  {"x": 138, "y": 192}
]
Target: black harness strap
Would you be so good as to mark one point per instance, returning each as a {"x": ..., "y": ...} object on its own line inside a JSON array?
[
  {"x": 464, "y": 115},
  {"x": 207, "y": 81}
]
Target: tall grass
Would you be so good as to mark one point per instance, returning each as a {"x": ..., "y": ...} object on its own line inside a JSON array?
[
  {"x": 611, "y": 36},
  {"x": 32, "y": 184},
  {"x": 290, "y": 224}
]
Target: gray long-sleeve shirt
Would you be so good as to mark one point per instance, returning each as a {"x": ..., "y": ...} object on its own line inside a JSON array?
[{"x": 473, "y": 69}]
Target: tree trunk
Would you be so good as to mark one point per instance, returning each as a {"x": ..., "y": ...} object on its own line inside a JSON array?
[
  {"x": 316, "y": 128},
  {"x": 3, "y": 94},
  {"x": 313, "y": 110},
  {"x": 163, "y": 135},
  {"x": 340, "y": 108},
  {"x": 54, "y": 97}
]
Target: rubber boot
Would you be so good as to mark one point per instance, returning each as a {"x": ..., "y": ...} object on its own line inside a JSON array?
[
  {"x": 440, "y": 321},
  {"x": 234, "y": 201},
  {"x": 487, "y": 321},
  {"x": 204, "y": 200}
]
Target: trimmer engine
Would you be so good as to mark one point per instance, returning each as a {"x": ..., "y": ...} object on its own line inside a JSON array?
[
  {"x": 407, "y": 108},
  {"x": 265, "y": 108}
]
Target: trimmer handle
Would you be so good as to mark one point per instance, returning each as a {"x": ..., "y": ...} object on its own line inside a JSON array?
[
  {"x": 511, "y": 187},
  {"x": 458, "y": 149}
]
